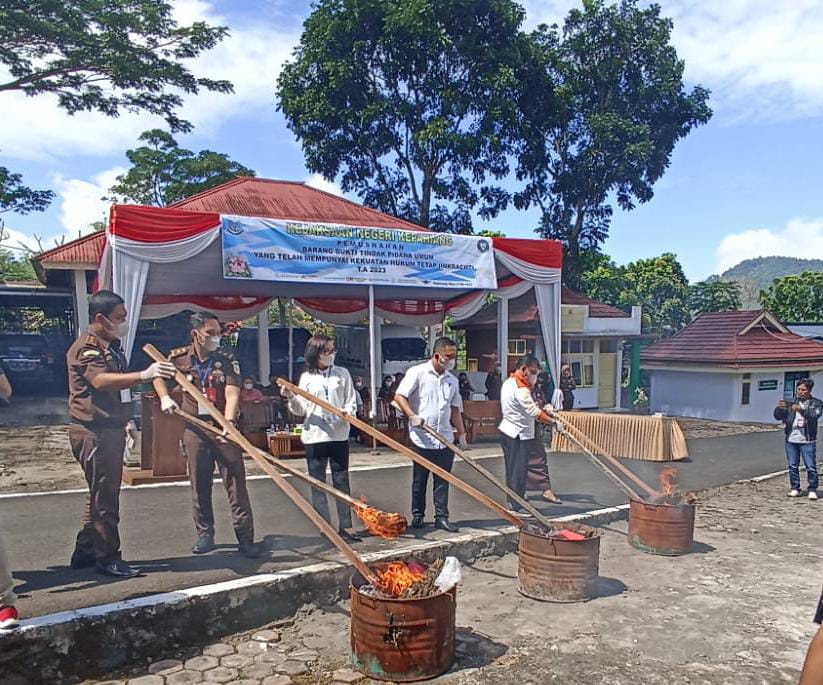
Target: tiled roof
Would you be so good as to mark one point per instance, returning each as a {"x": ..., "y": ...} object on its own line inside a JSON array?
[
  {"x": 722, "y": 338},
  {"x": 247, "y": 196},
  {"x": 524, "y": 310}
]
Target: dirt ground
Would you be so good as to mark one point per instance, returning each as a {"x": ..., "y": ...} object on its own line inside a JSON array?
[
  {"x": 38, "y": 458},
  {"x": 736, "y": 610}
]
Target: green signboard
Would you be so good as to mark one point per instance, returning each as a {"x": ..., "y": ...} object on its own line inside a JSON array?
[{"x": 767, "y": 385}]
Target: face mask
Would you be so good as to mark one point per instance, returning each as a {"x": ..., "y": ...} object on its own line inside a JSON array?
[
  {"x": 248, "y": 386},
  {"x": 532, "y": 378},
  {"x": 209, "y": 342},
  {"x": 118, "y": 330},
  {"x": 358, "y": 385},
  {"x": 327, "y": 359},
  {"x": 449, "y": 364}
]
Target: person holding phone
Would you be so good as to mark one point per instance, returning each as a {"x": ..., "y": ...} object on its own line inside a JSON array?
[{"x": 800, "y": 420}]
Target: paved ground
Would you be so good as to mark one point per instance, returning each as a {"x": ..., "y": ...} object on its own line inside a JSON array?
[
  {"x": 157, "y": 531},
  {"x": 736, "y": 610}
]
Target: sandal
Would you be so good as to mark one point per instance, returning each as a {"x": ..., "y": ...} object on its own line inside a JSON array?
[{"x": 553, "y": 499}]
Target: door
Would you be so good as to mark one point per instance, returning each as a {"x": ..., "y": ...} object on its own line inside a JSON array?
[{"x": 606, "y": 379}]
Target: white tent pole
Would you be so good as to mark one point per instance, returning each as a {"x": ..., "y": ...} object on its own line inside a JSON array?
[
  {"x": 374, "y": 343},
  {"x": 81, "y": 301},
  {"x": 263, "y": 358},
  {"x": 503, "y": 335},
  {"x": 291, "y": 339}
]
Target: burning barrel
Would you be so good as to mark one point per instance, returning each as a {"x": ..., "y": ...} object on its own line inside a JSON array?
[
  {"x": 401, "y": 640},
  {"x": 665, "y": 528},
  {"x": 561, "y": 566}
]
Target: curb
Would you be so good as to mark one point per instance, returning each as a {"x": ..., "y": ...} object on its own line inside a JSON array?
[{"x": 100, "y": 639}]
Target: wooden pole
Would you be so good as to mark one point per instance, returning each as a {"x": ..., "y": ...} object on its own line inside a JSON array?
[
  {"x": 489, "y": 476},
  {"x": 292, "y": 493},
  {"x": 406, "y": 451},
  {"x": 578, "y": 437}
]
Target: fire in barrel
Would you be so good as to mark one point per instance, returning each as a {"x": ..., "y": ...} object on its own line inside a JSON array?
[
  {"x": 665, "y": 524},
  {"x": 402, "y": 628}
]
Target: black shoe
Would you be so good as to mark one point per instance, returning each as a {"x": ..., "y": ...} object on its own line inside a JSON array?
[
  {"x": 443, "y": 524},
  {"x": 117, "y": 569},
  {"x": 250, "y": 550},
  {"x": 204, "y": 544},
  {"x": 349, "y": 536},
  {"x": 82, "y": 560},
  {"x": 417, "y": 522}
]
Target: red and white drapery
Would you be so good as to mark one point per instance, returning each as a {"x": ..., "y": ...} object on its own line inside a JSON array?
[{"x": 148, "y": 248}]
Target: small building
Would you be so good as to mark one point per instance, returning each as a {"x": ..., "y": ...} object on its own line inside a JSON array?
[
  {"x": 730, "y": 366},
  {"x": 592, "y": 338}
]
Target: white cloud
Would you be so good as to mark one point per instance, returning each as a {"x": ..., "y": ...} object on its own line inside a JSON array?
[
  {"x": 322, "y": 183},
  {"x": 250, "y": 57},
  {"x": 18, "y": 242},
  {"x": 81, "y": 200},
  {"x": 761, "y": 59},
  {"x": 798, "y": 238}
]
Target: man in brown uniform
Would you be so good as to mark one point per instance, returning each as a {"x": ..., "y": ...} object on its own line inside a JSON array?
[
  {"x": 97, "y": 373},
  {"x": 217, "y": 375}
]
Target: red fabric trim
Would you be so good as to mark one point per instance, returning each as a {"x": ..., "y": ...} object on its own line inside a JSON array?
[
  {"x": 414, "y": 307},
  {"x": 211, "y": 302},
  {"x": 548, "y": 253},
  {"x": 159, "y": 225}
]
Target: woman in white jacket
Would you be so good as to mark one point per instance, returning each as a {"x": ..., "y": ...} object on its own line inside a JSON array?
[{"x": 325, "y": 436}]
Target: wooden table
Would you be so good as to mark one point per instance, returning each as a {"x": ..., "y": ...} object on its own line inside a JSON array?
[{"x": 286, "y": 445}]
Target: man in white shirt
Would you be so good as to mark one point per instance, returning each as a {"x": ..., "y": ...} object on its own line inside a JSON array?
[
  {"x": 429, "y": 394},
  {"x": 517, "y": 434}
]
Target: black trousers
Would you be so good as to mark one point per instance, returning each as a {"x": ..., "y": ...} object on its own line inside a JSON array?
[
  {"x": 318, "y": 457},
  {"x": 444, "y": 458},
  {"x": 516, "y": 454}
]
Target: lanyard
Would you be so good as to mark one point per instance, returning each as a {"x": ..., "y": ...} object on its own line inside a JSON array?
[
  {"x": 203, "y": 372},
  {"x": 326, "y": 380},
  {"x": 119, "y": 357}
]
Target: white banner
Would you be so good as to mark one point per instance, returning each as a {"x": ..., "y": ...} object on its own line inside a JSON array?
[{"x": 294, "y": 251}]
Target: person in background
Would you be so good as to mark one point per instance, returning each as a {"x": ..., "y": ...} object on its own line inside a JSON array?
[
  {"x": 567, "y": 387},
  {"x": 385, "y": 392},
  {"x": 272, "y": 389},
  {"x": 97, "y": 370},
  {"x": 493, "y": 383},
  {"x": 217, "y": 375},
  {"x": 250, "y": 391},
  {"x": 800, "y": 426},
  {"x": 813, "y": 666},
  {"x": 517, "y": 429},
  {"x": 361, "y": 389},
  {"x": 325, "y": 435},
  {"x": 9, "y": 618},
  {"x": 542, "y": 390},
  {"x": 429, "y": 394},
  {"x": 465, "y": 386}
]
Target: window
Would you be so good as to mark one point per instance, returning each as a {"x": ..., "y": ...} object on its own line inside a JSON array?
[
  {"x": 746, "y": 389},
  {"x": 608, "y": 346},
  {"x": 579, "y": 355},
  {"x": 517, "y": 346},
  {"x": 790, "y": 383},
  {"x": 471, "y": 364}
]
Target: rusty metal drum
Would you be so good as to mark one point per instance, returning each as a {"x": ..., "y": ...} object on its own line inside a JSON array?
[
  {"x": 402, "y": 640},
  {"x": 666, "y": 529},
  {"x": 557, "y": 570}
]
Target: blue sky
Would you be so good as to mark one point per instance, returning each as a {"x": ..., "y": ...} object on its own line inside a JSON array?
[{"x": 746, "y": 185}]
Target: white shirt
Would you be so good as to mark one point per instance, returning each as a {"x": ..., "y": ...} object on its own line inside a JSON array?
[
  {"x": 335, "y": 386},
  {"x": 432, "y": 396},
  {"x": 797, "y": 436},
  {"x": 519, "y": 409}
]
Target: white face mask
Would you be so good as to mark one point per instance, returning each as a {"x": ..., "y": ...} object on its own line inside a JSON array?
[
  {"x": 209, "y": 342},
  {"x": 248, "y": 386},
  {"x": 532, "y": 378},
  {"x": 327, "y": 359},
  {"x": 449, "y": 364},
  {"x": 118, "y": 330}
]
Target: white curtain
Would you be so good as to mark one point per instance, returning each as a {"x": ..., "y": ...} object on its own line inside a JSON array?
[{"x": 548, "y": 307}]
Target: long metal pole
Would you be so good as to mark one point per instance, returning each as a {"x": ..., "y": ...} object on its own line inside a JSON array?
[
  {"x": 406, "y": 451},
  {"x": 291, "y": 492}
]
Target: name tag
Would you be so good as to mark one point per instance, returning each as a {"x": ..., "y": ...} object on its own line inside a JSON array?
[
  {"x": 125, "y": 396},
  {"x": 202, "y": 410}
]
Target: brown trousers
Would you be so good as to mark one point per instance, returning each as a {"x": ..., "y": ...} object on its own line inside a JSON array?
[
  {"x": 202, "y": 453},
  {"x": 100, "y": 454}
]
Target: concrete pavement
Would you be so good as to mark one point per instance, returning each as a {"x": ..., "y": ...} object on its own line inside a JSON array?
[{"x": 157, "y": 531}]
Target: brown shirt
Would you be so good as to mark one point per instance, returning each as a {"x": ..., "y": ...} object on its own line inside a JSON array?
[
  {"x": 210, "y": 376},
  {"x": 87, "y": 358}
]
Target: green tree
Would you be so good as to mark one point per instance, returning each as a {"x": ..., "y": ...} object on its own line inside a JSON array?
[
  {"x": 16, "y": 197},
  {"x": 107, "y": 57},
  {"x": 616, "y": 81},
  {"x": 162, "y": 172},
  {"x": 796, "y": 298},
  {"x": 12, "y": 268},
  {"x": 411, "y": 102},
  {"x": 715, "y": 296},
  {"x": 657, "y": 284}
]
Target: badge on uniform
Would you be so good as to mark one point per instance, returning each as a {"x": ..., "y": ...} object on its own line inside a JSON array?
[{"x": 202, "y": 409}]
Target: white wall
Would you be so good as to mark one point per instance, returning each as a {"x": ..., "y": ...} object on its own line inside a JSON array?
[{"x": 718, "y": 395}]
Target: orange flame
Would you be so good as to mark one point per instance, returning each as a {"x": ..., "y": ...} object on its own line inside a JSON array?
[
  {"x": 381, "y": 523},
  {"x": 668, "y": 480},
  {"x": 396, "y": 577}
]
